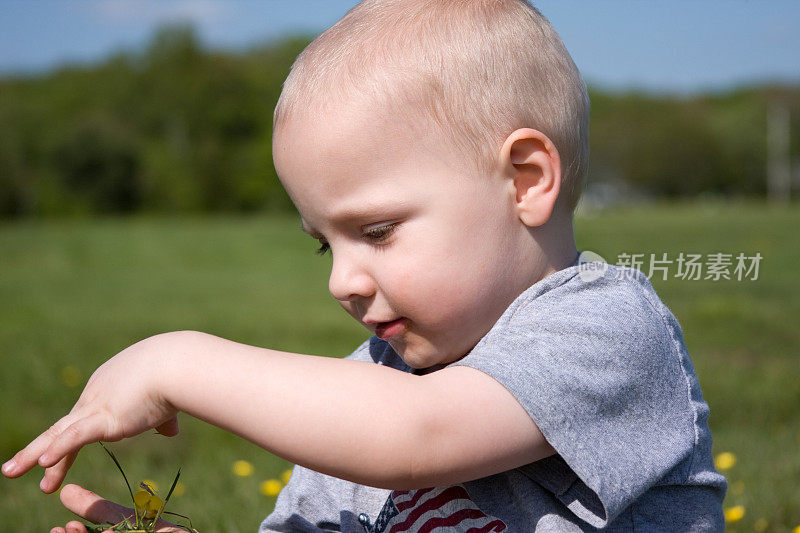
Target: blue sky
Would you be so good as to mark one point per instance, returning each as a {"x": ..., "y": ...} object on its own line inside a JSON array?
[{"x": 657, "y": 45}]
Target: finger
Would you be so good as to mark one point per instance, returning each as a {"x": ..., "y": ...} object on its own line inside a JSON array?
[
  {"x": 54, "y": 476},
  {"x": 95, "y": 509},
  {"x": 26, "y": 458},
  {"x": 92, "y": 507},
  {"x": 169, "y": 428},
  {"x": 78, "y": 434},
  {"x": 76, "y": 527}
]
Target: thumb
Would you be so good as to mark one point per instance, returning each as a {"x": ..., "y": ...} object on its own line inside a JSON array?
[
  {"x": 92, "y": 507},
  {"x": 169, "y": 428}
]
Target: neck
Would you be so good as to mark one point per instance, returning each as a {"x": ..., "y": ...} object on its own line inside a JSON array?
[{"x": 554, "y": 246}]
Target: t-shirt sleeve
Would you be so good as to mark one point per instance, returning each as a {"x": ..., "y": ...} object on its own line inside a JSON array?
[{"x": 599, "y": 370}]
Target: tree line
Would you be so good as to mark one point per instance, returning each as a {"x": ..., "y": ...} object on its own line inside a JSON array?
[{"x": 178, "y": 128}]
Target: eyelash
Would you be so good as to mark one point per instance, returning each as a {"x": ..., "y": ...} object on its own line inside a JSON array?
[
  {"x": 377, "y": 235},
  {"x": 381, "y": 233}
]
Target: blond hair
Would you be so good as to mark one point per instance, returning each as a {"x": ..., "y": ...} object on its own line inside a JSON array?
[{"x": 478, "y": 68}]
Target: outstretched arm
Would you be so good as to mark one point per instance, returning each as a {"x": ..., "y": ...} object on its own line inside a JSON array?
[{"x": 357, "y": 421}]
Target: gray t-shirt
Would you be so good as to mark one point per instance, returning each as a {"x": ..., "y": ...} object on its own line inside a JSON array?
[{"x": 599, "y": 363}]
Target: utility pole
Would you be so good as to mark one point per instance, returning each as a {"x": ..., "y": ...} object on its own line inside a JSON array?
[{"x": 779, "y": 176}]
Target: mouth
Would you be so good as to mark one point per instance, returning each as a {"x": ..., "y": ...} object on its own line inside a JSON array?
[{"x": 387, "y": 330}]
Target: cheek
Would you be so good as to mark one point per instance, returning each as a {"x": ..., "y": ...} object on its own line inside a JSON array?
[
  {"x": 473, "y": 282},
  {"x": 407, "y": 284},
  {"x": 447, "y": 278},
  {"x": 439, "y": 288}
]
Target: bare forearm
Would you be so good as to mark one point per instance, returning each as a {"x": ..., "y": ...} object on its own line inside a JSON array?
[
  {"x": 358, "y": 421},
  {"x": 324, "y": 413}
]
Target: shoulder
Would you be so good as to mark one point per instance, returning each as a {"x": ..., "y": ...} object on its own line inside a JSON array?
[
  {"x": 598, "y": 313},
  {"x": 604, "y": 290}
]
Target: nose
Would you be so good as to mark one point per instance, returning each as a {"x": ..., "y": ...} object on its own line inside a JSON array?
[{"x": 349, "y": 279}]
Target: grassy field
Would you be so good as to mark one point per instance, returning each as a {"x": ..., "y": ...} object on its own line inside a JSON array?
[{"x": 74, "y": 293}]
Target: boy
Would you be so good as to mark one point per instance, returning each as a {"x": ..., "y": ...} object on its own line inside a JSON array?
[{"x": 436, "y": 149}]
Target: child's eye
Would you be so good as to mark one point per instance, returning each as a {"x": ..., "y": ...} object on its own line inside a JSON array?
[
  {"x": 324, "y": 247},
  {"x": 380, "y": 233}
]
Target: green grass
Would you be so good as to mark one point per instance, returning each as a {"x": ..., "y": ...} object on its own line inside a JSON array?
[{"x": 74, "y": 293}]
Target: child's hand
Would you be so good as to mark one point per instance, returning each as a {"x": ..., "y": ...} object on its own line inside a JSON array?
[
  {"x": 120, "y": 400},
  {"x": 93, "y": 508}
]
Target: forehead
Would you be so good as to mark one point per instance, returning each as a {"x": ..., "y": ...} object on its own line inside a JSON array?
[
  {"x": 338, "y": 143},
  {"x": 355, "y": 157},
  {"x": 337, "y": 129}
]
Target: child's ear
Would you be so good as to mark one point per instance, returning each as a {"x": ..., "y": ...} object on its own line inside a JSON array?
[{"x": 531, "y": 160}]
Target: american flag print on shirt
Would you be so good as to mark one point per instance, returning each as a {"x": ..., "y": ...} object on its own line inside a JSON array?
[{"x": 435, "y": 509}]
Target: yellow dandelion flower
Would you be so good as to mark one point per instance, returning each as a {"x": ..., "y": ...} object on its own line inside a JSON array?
[
  {"x": 724, "y": 460},
  {"x": 149, "y": 485},
  {"x": 243, "y": 468},
  {"x": 286, "y": 476},
  {"x": 71, "y": 376},
  {"x": 180, "y": 489},
  {"x": 147, "y": 504},
  {"x": 737, "y": 488},
  {"x": 734, "y": 514},
  {"x": 796, "y": 529},
  {"x": 761, "y": 525},
  {"x": 271, "y": 487}
]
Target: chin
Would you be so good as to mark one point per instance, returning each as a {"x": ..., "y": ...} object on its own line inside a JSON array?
[
  {"x": 414, "y": 361},
  {"x": 427, "y": 358},
  {"x": 414, "y": 357}
]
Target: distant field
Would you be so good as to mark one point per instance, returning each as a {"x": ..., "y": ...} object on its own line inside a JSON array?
[{"x": 73, "y": 293}]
